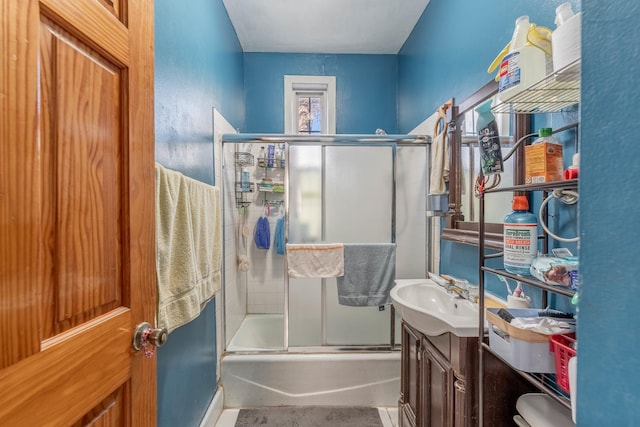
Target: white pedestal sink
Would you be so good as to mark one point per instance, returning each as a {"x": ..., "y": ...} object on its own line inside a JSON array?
[{"x": 428, "y": 307}]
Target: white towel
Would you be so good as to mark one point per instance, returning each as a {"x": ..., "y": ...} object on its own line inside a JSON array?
[
  {"x": 315, "y": 260},
  {"x": 188, "y": 246},
  {"x": 439, "y": 164}
]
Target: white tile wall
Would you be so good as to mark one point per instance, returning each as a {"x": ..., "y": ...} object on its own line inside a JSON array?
[
  {"x": 234, "y": 286},
  {"x": 265, "y": 278}
]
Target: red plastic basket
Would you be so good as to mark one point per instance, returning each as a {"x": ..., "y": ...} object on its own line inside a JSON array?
[{"x": 564, "y": 347}]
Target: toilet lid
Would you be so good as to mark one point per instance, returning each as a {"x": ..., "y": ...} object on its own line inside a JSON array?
[{"x": 540, "y": 410}]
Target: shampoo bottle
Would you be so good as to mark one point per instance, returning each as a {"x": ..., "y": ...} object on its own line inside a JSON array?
[
  {"x": 245, "y": 180},
  {"x": 488, "y": 140},
  {"x": 520, "y": 237},
  {"x": 524, "y": 65},
  {"x": 262, "y": 156}
]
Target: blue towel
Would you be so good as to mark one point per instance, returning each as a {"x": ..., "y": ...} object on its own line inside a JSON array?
[
  {"x": 262, "y": 235},
  {"x": 278, "y": 240},
  {"x": 369, "y": 274}
]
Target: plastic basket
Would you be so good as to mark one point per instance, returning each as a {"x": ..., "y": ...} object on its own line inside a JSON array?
[{"x": 564, "y": 348}]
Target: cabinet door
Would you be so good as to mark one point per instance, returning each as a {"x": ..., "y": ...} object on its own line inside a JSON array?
[
  {"x": 436, "y": 409},
  {"x": 410, "y": 369}
]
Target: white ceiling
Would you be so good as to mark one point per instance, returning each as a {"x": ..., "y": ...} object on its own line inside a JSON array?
[{"x": 324, "y": 26}]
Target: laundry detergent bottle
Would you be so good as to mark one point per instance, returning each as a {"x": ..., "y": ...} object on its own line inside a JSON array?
[
  {"x": 524, "y": 65},
  {"x": 520, "y": 237}
]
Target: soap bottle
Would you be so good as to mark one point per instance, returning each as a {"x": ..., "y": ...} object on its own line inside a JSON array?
[
  {"x": 520, "y": 237},
  {"x": 524, "y": 65},
  {"x": 488, "y": 140},
  {"x": 283, "y": 149},
  {"x": 270, "y": 155},
  {"x": 245, "y": 180},
  {"x": 566, "y": 38},
  {"x": 262, "y": 155},
  {"x": 278, "y": 156}
]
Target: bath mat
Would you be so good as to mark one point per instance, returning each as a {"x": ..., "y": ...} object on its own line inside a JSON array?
[{"x": 309, "y": 416}]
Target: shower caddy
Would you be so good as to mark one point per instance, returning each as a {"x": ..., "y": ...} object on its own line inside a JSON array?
[{"x": 241, "y": 160}]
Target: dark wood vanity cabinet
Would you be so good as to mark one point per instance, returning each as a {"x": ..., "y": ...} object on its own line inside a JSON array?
[{"x": 437, "y": 380}]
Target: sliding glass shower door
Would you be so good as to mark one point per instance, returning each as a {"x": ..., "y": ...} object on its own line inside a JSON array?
[{"x": 338, "y": 194}]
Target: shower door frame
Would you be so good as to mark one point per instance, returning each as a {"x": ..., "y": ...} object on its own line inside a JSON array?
[{"x": 392, "y": 141}]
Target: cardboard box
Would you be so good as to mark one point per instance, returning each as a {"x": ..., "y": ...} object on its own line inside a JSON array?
[{"x": 543, "y": 163}]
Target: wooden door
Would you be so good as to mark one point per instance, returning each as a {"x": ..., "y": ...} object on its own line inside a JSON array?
[{"x": 77, "y": 251}]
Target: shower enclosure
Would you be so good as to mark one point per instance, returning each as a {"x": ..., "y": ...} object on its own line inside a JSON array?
[{"x": 334, "y": 189}]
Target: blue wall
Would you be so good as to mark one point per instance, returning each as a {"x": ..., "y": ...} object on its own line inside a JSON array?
[
  {"x": 198, "y": 66},
  {"x": 436, "y": 64},
  {"x": 610, "y": 163},
  {"x": 451, "y": 47},
  {"x": 366, "y": 89},
  {"x": 609, "y": 345}
]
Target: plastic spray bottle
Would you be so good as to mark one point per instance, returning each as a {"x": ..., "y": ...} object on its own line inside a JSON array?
[
  {"x": 520, "y": 237},
  {"x": 488, "y": 140}
]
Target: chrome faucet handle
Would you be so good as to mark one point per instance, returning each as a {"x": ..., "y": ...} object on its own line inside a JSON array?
[{"x": 462, "y": 293}]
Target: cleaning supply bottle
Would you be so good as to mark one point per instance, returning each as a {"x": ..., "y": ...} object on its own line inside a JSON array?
[
  {"x": 526, "y": 62},
  {"x": 520, "y": 237},
  {"x": 543, "y": 159},
  {"x": 566, "y": 38},
  {"x": 488, "y": 140}
]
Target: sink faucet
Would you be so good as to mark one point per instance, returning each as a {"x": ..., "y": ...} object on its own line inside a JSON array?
[
  {"x": 452, "y": 286},
  {"x": 462, "y": 293}
]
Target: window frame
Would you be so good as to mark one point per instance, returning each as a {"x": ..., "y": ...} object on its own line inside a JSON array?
[{"x": 297, "y": 85}]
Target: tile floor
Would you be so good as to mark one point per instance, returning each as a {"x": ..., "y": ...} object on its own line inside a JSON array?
[{"x": 388, "y": 415}]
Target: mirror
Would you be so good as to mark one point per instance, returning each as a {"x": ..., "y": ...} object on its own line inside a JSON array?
[{"x": 463, "y": 216}]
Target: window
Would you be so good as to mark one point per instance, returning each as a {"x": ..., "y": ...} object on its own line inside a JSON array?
[{"x": 309, "y": 104}]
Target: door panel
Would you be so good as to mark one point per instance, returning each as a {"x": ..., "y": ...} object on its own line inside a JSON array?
[
  {"x": 77, "y": 257},
  {"x": 85, "y": 179}
]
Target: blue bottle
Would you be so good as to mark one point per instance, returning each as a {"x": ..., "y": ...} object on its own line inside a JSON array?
[
  {"x": 520, "y": 237},
  {"x": 245, "y": 181}
]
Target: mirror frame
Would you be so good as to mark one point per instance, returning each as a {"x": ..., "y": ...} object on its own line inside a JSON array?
[{"x": 456, "y": 229}]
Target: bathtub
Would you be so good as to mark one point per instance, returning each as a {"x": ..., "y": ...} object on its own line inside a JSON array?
[
  {"x": 259, "y": 332},
  {"x": 360, "y": 378}
]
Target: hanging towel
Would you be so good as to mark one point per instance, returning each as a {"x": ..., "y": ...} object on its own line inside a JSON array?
[
  {"x": 188, "y": 246},
  {"x": 315, "y": 260},
  {"x": 278, "y": 240},
  {"x": 262, "y": 233},
  {"x": 439, "y": 164},
  {"x": 369, "y": 274}
]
